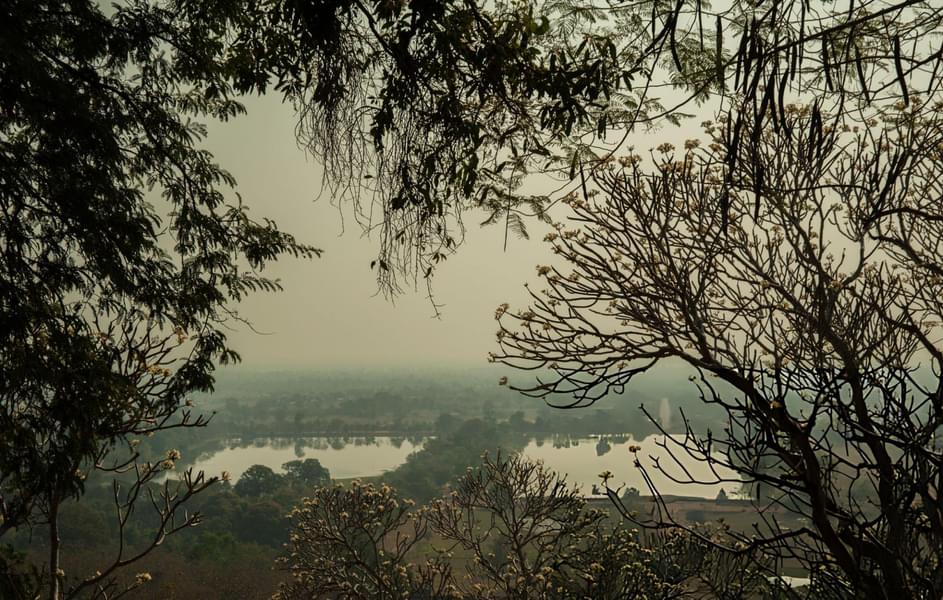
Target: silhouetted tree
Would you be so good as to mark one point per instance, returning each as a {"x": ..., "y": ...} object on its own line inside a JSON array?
[
  {"x": 307, "y": 472},
  {"x": 813, "y": 302},
  {"x": 124, "y": 251},
  {"x": 258, "y": 480},
  {"x": 422, "y": 110}
]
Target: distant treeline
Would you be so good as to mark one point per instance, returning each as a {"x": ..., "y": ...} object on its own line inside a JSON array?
[{"x": 393, "y": 402}]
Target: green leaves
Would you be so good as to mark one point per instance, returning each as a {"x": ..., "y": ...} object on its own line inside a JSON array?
[
  {"x": 422, "y": 105},
  {"x": 125, "y": 246}
]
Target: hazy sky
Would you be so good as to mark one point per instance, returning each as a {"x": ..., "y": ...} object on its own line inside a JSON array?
[{"x": 330, "y": 314}]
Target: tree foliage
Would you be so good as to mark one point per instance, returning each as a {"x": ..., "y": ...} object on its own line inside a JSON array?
[
  {"x": 509, "y": 529},
  {"x": 307, "y": 472},
  {"x": 814, "y": 301},
  {"x": 426, "y": 108},
  {"x": 422, "y": 110},
  {"x": 258, "y": 480},
  {"x": 124, "y": 245}
]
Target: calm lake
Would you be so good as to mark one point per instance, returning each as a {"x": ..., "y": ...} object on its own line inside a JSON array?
[
  {"x": 580, "y": 459},
  {"x": 344, "y": 457}
]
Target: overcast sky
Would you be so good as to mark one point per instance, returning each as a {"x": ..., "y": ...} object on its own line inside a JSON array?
[{"x": 330, "y": 314}]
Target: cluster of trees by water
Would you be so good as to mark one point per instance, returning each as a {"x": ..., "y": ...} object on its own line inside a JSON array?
[{"x": 243, "y": 521}]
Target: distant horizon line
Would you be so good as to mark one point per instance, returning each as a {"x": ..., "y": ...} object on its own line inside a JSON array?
[{"x": 241, "y": 368}]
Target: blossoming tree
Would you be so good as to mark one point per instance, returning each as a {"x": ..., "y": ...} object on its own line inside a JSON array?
[{"x": 802, "y": 287}]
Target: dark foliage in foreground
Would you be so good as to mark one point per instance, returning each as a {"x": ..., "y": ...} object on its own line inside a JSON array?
[
  {"x": 125, "y": 250},
  {"x": 811, "y": 313}
]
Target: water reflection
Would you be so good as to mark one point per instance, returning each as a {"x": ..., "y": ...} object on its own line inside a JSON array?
[
  {"x": 344, "y": 456},
  {"x": 580, "y": 458},
  {"x": 603, "y": 446},
  {"x": 582, "y": 463}
]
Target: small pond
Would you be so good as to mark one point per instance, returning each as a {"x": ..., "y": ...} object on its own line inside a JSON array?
[
  {"x": 583, "y": 459},
  {"x": 344, "y": 457}
]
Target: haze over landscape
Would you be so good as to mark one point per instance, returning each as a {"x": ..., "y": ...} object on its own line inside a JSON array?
[
  {"x": 332, "y": 314},
  {"x": 477, "y": 300}
]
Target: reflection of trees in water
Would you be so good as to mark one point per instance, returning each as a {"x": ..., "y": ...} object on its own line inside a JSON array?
[
  {"x": 603, "y": 443},
  {"x": 281, "y": 443},
  {"x": 205, "y": 449},
  {"x": 561, "y": 440},
  {"x": 200, "y": 450},
  {"x": 603, "y": 447},
  {"x": 318, "y": 443},
  {"x": 564, "y": 440}
]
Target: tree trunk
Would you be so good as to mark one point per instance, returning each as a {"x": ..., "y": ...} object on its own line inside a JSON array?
[{"x": 54, "y": 579}]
